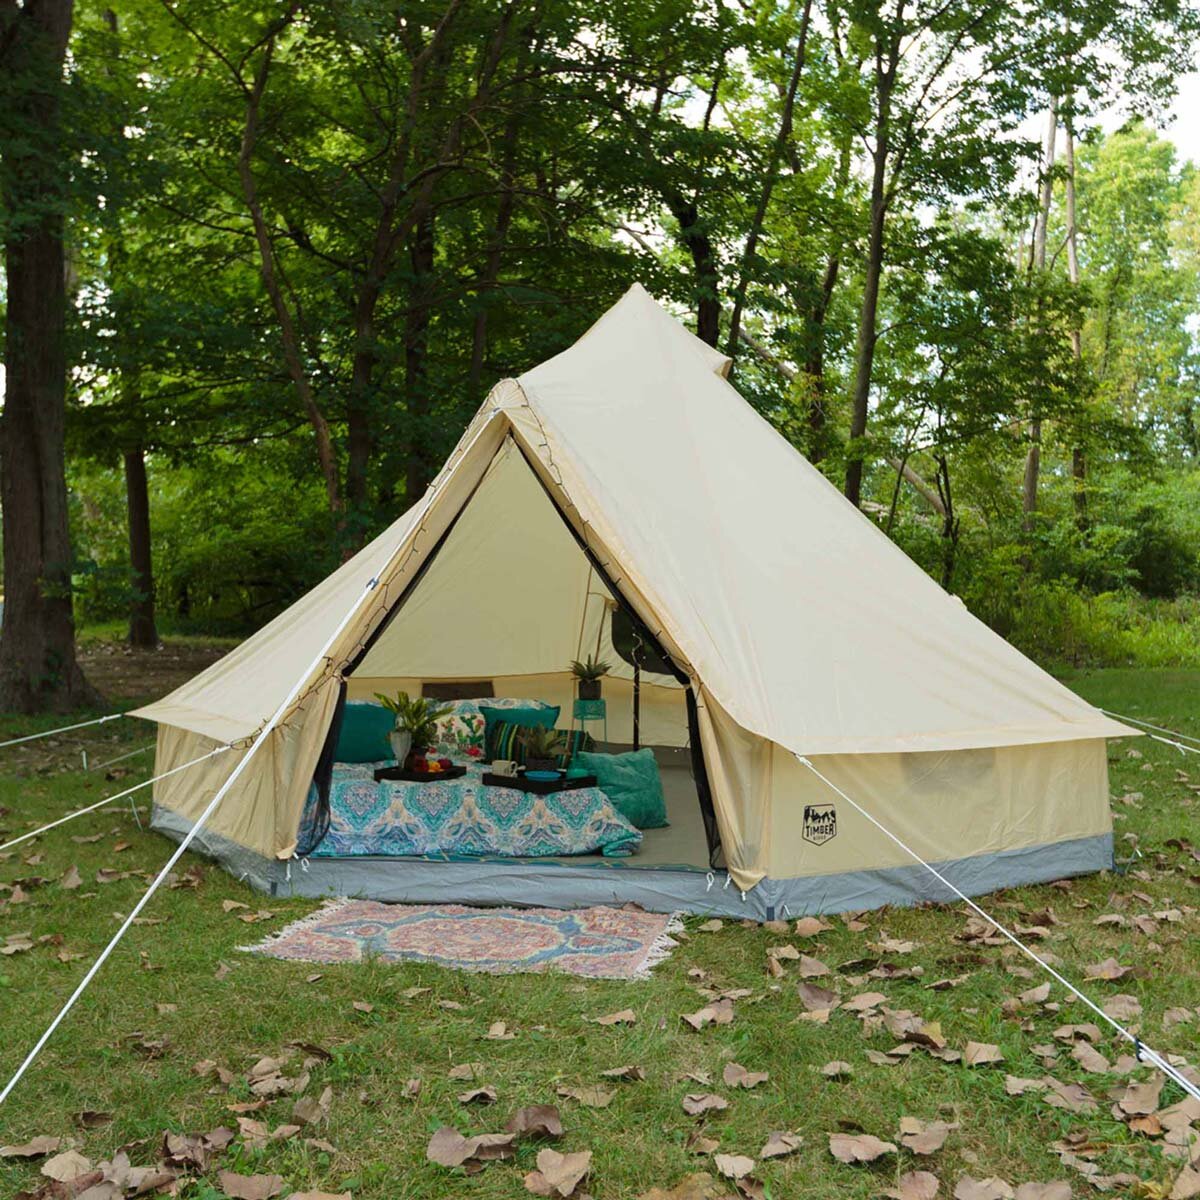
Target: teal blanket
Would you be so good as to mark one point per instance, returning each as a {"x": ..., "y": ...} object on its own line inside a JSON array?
[{"x": 463, "y": 818}]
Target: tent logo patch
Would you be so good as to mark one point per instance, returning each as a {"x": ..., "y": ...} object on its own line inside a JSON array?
[{"x": 820, "y": 823}]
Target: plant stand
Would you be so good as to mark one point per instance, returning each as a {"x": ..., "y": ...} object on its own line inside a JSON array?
[{"x": 590, "y": 710}]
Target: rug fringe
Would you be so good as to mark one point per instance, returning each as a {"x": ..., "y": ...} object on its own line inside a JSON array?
[
  {"x": 660, "y": 949},
  {"x": 332, "y": 905}
]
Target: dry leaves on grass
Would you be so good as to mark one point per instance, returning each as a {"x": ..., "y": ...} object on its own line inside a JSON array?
[
  {"x": 627, "y": 1074},
  {"x": 924, "y": 1137},
  {"x": 536, "y": 1120},
  {"x": 780, "y": 1144},
  {"x": 558, "y": 1174},
  {"x": 37, "y": 1147},
  {"x": 250, "y": 1187},
  {"x": 448, "y": 1148},
  {"x": 1109, "y": 969},
  {"x": 625, "y": 1017},
  {"x": 992, "y": 1188},
  {"x": 734, "y": 1166},
  {"x": 858, "y": 1147},
  {"x": 837, "y": 1069},
  {"x": 981, "y": 1054},
  {"x": 590, "y": 1095},
  {"x": 736, "y": 1076},
  {"x": 310, "y": 1111},
  {"x": 696, "y": 1104},
  {"x": 719, "y": 1013},
  {"x": 914, "y": 1185},
  {"x": 482, "y": 1095}
]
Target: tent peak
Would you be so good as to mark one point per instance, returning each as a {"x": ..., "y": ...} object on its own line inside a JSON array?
[{"x": 637, "y": 319}]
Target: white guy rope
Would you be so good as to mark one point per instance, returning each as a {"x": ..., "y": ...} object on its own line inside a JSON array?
[
  {"x": 33, "y": 737},
  {"x": 109, "y": 799},
  {"x": 1187, "y": 737},
  {"x": 108, "y": 762},
  {"x": 296, "y": 689},
  {"x": 1143, "y": 1052}
]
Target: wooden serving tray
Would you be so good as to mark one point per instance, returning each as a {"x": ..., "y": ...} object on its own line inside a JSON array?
[
  {"x": 538, "y": 787},
  {"x": 400, "y": 775}
]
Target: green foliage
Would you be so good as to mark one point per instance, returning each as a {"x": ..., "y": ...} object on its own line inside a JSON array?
[
  {"x": 542, "y": 742},
  {"x": 591, "y": 668},
  {"x": 416, "y": 715}
]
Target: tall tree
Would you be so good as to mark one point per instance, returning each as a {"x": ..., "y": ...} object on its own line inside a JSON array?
[{"x": 38, "y": 668}]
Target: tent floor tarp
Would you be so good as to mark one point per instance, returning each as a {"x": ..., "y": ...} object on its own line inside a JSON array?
[{"x": 659, "y": 887}]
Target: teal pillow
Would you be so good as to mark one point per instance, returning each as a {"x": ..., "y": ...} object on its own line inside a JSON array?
[
  {"x": 364, "y": 733},
  {"x": 546, "y": 718},
  {"x": 631, "y": 782}
]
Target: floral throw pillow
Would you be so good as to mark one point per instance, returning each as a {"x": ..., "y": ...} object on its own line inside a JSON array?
[{"x": 460, "y": 733}]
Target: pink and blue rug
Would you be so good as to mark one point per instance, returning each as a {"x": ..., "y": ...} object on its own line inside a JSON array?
[{"x": 598, "y": 943}]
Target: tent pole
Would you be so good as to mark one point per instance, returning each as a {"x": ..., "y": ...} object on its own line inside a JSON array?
[{"x": 637, "y": 704}]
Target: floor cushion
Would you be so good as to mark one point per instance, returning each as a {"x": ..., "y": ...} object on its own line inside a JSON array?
[{"x": 632, "y": 782}]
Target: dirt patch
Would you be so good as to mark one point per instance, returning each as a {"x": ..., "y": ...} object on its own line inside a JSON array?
[{"x": 123, "y": 674}]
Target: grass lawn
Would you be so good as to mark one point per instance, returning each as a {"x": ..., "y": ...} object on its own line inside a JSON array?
[{"x": 178, "y": 992}]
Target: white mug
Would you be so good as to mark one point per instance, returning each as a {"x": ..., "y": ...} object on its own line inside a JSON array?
[{"x": 504, "y": 766}]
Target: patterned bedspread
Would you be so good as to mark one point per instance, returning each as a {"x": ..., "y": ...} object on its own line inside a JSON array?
[{"x": 462, "y": 818}]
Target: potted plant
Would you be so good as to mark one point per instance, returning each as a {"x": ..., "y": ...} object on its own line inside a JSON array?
[
  {"x": 589, "y": 674},
  {"x": 416, "y": 723},
  {"x": 542, "y": 748}
]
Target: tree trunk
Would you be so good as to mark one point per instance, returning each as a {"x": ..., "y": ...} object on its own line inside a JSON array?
[
  {"x": 491, "y": 269},
  {"x": 1037, "y": 262},
  {"x": 270, "y": 277},
  {"x": 416, "y": 367},
  {"x": 38, "y": 670},
  {"x": 770, "y": 175},
  {"x": 864, "y": 358},
  {"x": 143, "y": 633},
  {"x": 704, "y": 263},
  {"x": 1078, "y": 456}
]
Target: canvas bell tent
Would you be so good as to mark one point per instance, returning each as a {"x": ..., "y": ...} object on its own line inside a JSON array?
[{"x": 624, "y": 484}]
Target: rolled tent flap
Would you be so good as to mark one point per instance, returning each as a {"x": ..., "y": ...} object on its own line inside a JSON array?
[{"x": 801, "y": 627}]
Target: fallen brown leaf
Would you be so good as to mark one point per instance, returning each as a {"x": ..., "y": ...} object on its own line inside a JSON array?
[
  {"x": 781, "y": 1143},
  {"x": 250, "y": 1187},
  {"x": 536, "y": 1120},
  {"x": 858, "y": 1147},
  {"x": 991, "y": 1188},
  {"x": 590, "y": 1095},
  {"x": 914, "y": 1185},
  {"x": 979, "y": 1054},
  {"x": 558, "y": 1174},
  {"x": 695, "y": 1104},
  {"x": 736, "y": 1076},
  {"x": 734, "y": 1166},
  {"x": 625, "y": 1017},
  {"x": 924, "y": 1137},
  {"x": 37, "y": 1147}
]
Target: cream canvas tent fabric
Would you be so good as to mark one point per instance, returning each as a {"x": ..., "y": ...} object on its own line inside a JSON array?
[{"x": 626, "y": 470}]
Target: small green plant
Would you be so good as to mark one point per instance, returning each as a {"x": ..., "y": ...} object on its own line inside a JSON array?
[
  {"x": 541, "y": 743},
  {"x": 416, "y": 715},
  {"x": 591, "y": 669}
]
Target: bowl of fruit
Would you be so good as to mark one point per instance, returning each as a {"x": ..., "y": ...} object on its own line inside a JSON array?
[{"x": 427, "y": 764}]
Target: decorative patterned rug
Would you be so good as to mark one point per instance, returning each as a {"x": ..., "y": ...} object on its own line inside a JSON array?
[{"x": 599, "y": 942}]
